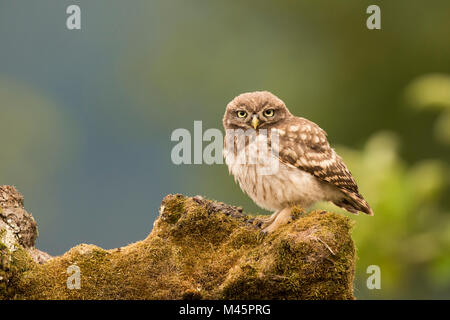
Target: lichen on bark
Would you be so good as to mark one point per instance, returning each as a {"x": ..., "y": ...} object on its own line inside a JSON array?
[{"x": 198, "y": 249}]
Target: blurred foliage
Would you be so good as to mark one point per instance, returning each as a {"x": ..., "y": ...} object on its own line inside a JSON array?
[
  {"x": 433, "y": 91},
  {"x": 38, "y": 140},
  {"x": 35, "y": 132},
  {"x": 442, "y": 127},
  {"x": 430, "y": 90}
]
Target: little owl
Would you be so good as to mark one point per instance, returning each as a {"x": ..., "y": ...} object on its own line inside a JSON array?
[{"x": 308, "y": 170}]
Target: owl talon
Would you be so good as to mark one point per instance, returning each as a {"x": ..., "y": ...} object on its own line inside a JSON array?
[{"x": 262, "y": 234}]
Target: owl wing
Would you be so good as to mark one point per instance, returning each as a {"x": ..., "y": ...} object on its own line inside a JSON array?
[{"x": 303, "y": 145}]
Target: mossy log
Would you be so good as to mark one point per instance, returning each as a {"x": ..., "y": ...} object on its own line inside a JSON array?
[{"x": 198, "y": 249}]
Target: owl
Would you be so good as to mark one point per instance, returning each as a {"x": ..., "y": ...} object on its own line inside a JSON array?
[{"x": 307, "y": 169}]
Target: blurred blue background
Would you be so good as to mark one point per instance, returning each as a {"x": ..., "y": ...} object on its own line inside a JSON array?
[{"x": 86, "y": 116}]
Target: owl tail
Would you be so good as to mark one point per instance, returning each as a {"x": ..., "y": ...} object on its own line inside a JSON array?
[{"x": 354, "y": 202}]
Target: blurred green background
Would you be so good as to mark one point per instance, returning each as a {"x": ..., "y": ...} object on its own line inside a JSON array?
[{"x": 86, "y": 116}]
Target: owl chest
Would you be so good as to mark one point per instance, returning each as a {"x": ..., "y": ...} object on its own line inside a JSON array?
[
  {"x": 270, "y": 183},
  {"x": 250, "y": 164},
  {"x": 259, "y": 187}
]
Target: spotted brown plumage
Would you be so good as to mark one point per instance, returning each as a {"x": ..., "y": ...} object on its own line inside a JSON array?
[{"x": 304, "y": 145}]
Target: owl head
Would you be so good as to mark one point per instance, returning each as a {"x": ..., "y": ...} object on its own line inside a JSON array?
[{"x": 255, "y": 110}]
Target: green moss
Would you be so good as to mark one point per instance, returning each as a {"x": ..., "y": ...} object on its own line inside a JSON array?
[
  {"x": 4, "y": 270},
  {"x": 305, "y": 260},
  {"x": 203, "y": 250},
  {"x": 244, "y": 237},
  {"x": 173, "y": 208},
  {"x": 13, "y": 266}
]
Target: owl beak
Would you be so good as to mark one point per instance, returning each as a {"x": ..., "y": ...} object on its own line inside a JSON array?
[{"x": 255, "y": 121}]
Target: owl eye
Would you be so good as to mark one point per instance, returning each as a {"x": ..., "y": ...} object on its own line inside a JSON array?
[
  {"x": 241, "y": 114},
  {"x": 269, "y": 113}
]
